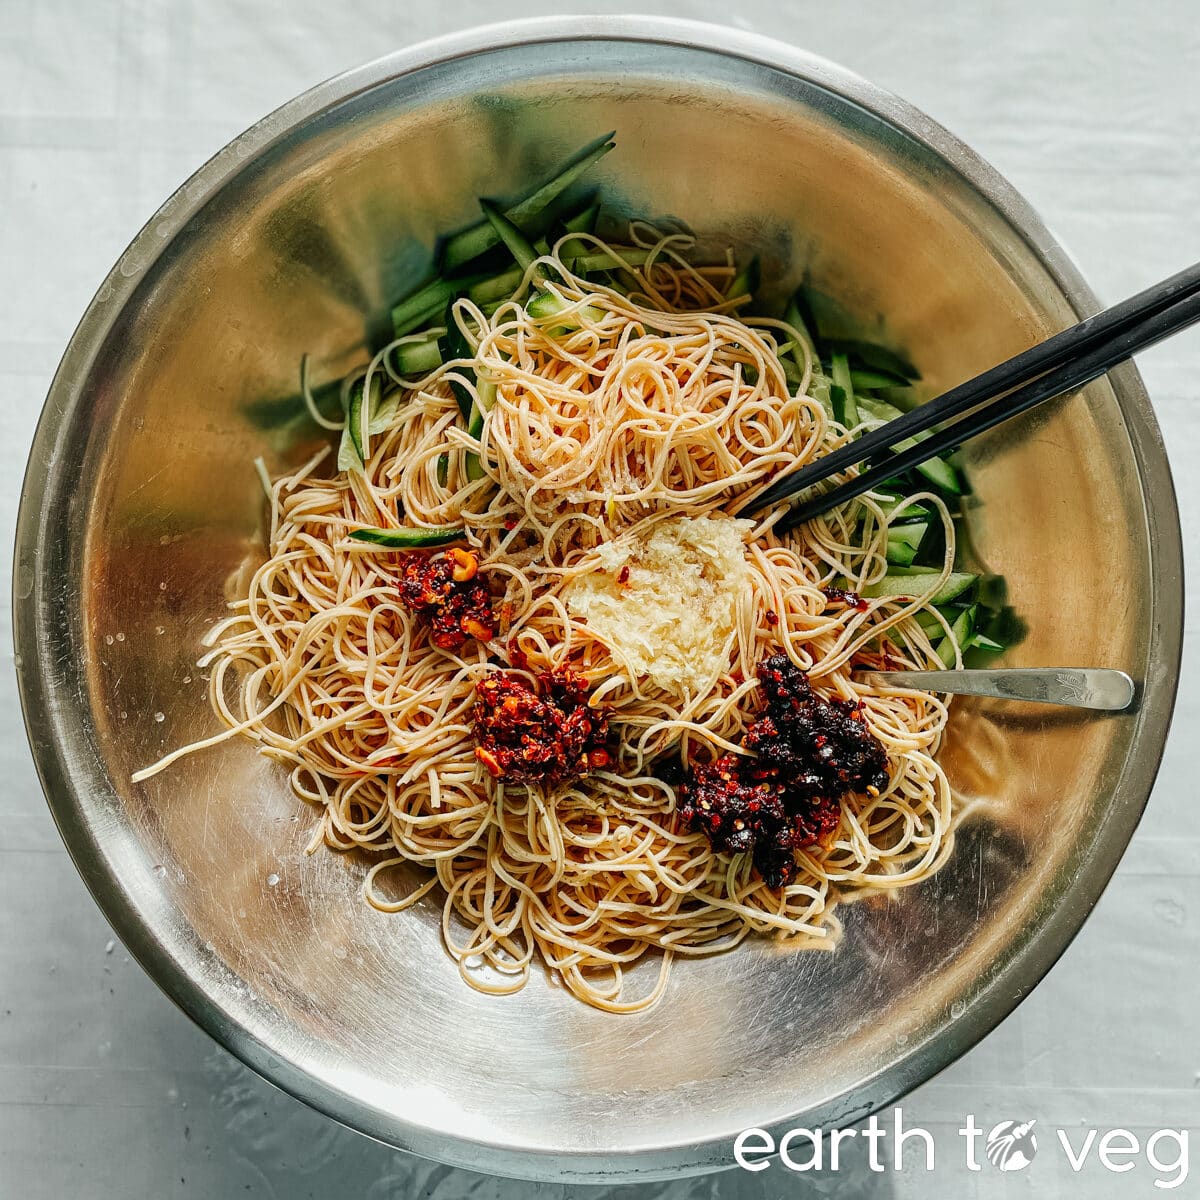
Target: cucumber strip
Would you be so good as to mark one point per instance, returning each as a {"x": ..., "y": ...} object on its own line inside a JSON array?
[
  {"x": 585, "y": 220},
  {"x": 960, "y": 637},
  {"x": 865, "y": 380},
  {"x": 471, "y": 462},
  {"x": 900, "y": 553},
  {"x": 417, "y": 358},
  {"x": 837, "y": 398},
  {"x": 471, "y": 243},
  {"x": 980, "y": 641},
  {"x": 415, "y": 310},
  {"x": 382, "y": 411},
  {"x": 928, "y": 621},
  {"x": 870, "y": 356},
  {"x": 547, "y": 305},
  {"x": 590, "y": 264},
  {"x": 354, "y": 420},
  {"x": 876, "y": 409},
  {"x": 454, "y": 345},
  {"x": 940, "y": 473},
  {"x": 820, "y": 391},
  {"x": 909, "y": 511},
  {"x": 581, "y": 222},
  {"x": 443, "y": 469},
  {"x": 910, "y": 535},
  {"x": 486, "y": 390},
  {"x": 746, "y": 282},
  {"x": 499, "y": 287},
  {"x": 937, "y": 470},
  {"x": 519, "y": 246},
  {"x": 945, "y": 650},
  {"x": 383, "y": 414},
  {"x": 840, "y": 374},
  {"x": 348, "y": 458},
  {"x": 906, "y": 581},
  {"x": 964, "y": 625},
  {"x": 407, "y": 539}
]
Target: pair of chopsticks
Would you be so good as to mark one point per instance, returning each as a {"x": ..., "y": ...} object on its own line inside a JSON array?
[{"x": 1061, "y": 364}]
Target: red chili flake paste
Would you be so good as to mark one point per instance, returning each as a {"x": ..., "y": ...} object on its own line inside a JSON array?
[
  {"x": 837, "y": 595},
  {"x": 448, "y": 592},
  {"x": 809, "y": 753},
  {"x": 546, "y": 734}
]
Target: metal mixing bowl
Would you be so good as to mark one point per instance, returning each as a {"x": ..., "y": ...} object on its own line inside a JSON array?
[{"x": 140, "y": 499}]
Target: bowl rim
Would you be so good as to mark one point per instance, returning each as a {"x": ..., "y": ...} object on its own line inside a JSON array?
[{"x": 1027, "y": 963}]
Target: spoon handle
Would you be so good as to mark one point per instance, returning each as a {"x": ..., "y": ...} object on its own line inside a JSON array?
[{"x": 1096, "y": 687}]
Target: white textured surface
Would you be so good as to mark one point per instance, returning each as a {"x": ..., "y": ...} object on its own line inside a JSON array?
[{"x": 1090, "y": 108}]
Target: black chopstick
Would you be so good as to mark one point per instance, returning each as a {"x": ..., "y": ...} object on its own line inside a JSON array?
[
  {"x": 1062, "y": 348},
  {"x": 1067, "y": 378}
]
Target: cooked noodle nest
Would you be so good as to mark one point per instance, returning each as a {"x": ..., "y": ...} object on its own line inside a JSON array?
[{"x": 617, "y": 413}]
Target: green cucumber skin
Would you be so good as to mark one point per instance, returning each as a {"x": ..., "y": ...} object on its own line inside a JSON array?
[
  {"x": 900, "y": 553},
  {"x": 408, "y": 539},
  {"x": 895, "y": 585},
  {"x": 840, "y": 374},
  {"x": 912, "y": 534},
  {"x": 518, "y": 245},
  {"x": 419, "y": 358},
  {"x": 469, "y": 244}
]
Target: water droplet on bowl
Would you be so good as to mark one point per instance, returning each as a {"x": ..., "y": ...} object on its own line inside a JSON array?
[
  {"x": 160, "y": 717},
  {"x": 109, "y": 945},
  {"x": 160, "y": 630},
  {"x": 120, "y": 637},
  {"x": 160, "y": 870},
  {"x": 272, "y": 879},
  {"x": 108, "y": 639},
  {"x": 958, "y": 1008}
]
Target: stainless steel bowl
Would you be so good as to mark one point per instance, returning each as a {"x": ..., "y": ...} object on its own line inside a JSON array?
[{"x": 140, "y": 499}]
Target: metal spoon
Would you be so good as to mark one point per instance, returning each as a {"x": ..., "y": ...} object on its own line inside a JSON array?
[{"x": 1097, "y": 687}]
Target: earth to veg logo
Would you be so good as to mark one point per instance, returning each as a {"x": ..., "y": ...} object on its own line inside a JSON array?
[
  {"x": 1010, "y": 1146},
  {"x": 892, "y": 1145}
]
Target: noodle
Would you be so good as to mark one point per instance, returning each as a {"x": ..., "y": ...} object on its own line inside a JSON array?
[{"x": 615, "y": 414}]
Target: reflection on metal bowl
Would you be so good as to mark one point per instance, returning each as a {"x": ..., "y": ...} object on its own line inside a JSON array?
[{"x": 140, "y": 499}]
